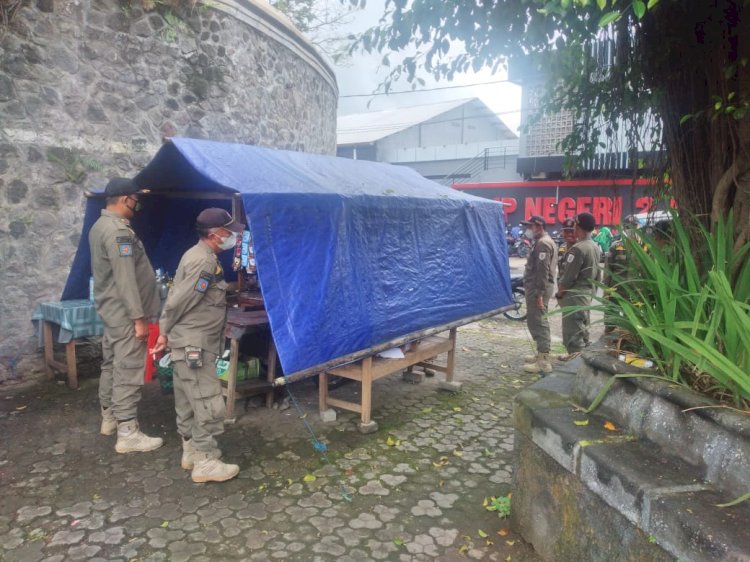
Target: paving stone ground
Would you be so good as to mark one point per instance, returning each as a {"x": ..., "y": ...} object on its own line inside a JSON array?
[{"x": 66, "y": 495}]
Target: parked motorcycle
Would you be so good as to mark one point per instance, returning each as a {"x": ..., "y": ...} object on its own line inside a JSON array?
[
  {"x": 518, "y": 312},
  {"x": 521, "y": 247}
]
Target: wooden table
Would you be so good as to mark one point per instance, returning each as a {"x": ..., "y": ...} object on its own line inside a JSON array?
[
  {"x": 372, "y": 368},
  {"x": 76, "y": 319},
  {"x": 240, "y": 323}
]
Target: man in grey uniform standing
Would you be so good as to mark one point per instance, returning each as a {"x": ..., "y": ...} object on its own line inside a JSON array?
[
  {"x": 126, "y": 298},
  {"x": 192, "y": 323},
  {"x": 539, "y": 284},
  {"x": 576, "y": 286}
]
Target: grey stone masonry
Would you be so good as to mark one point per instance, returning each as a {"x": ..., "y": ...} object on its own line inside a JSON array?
[
  {"x": 89, "y": 90},
  {"x": 638, "y": 475}
]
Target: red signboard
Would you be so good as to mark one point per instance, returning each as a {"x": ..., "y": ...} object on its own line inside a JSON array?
[{"x": 608, "y": 200}]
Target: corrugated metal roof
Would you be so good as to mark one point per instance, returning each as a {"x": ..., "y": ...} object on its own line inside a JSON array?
[{"x": 362, "y": 128}]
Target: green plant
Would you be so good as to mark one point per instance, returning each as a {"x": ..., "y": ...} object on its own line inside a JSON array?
[
  {"x": 687, "y": 307},
  {"x": 173, "y": 26},
  {"x": 501, "y": 505},
  {"x": 75, "y": 163}
]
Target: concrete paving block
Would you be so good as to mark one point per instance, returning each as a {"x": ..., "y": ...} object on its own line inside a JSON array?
[
  {"x": 452, "y": 386},
  {"x": 370, "y": 427},
  {"x": 328, "y": 415},
  {"x": 413, "y": 377}
]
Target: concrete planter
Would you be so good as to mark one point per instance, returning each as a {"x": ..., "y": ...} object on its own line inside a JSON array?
[{"x": 647, "y": 490}]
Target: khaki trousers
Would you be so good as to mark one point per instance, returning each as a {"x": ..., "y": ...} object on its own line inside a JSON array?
[
  {"x": 537, "y": 322},
  {"x": 575, "y": 325},
  {"x": 122, "y": 371},
  {"x": 198, "y": 402}
]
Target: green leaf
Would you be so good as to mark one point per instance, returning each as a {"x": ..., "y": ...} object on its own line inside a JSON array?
[
  {"x": 608, "y": 18},
  {"x": 735, "y": 502},
  {"x": 601, "y": 4},
  {"x": 652, "y": 3},
  {"x": 639, "y": 8},
  {"x": 685, "y": 118}
]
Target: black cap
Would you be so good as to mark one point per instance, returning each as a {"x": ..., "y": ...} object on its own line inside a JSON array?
[
  {"x": 535, "y": 219},
  {"x": 568, "y": 224},
  {"x": 214, "y": 217},
  {"x": 586, "y": 221},
  {"x": 122, "y": 186}
]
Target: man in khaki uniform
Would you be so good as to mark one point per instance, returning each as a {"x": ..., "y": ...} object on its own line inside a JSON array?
[
  {"x": 576, "y": 286},
  {"x": 192, "y": 323},
  {"x": 539, "y": 284},
  {"x": 126, "y": 298}
]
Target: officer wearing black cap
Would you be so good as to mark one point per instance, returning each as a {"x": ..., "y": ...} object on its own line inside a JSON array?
[
  {"x": 576, "y": 285},
  {"x": 538, "y": 284},
  {"x": 192, "y": 324},
  {"x": 569, "y": 239},
  {"x": 127, "y": 299}
]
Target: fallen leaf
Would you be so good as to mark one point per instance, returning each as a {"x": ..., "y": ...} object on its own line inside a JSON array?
[
  {"x": 164, "y": 524},
  {"x": 488, "y": 542},
  {"x": 441, "y": 483},
  {"x": 398, "y": 541},
  {"x": 581, "y": 422},
  {"x": 467, "y": 538},
  {"x": 390, "y": 441},
  {"x": 261, "y": 487},
  {"x": 609, "y": 426},
  {"x": 465, "y": 349},
  {"x": 482, "y": 534},
  {"x": 503, "y": 532},
  {"x": 464, "y": 549},
  {"x": 426, "y": 410},
  {"x": 503, "y": 366},
  {"x": 442, "y": 461},
  {"x": 456, "y": 408},
  {"x": 485, "y": 354},
  {"x": 510, "y": 543},
  {"x": 75, "y": 522},
  {"x": 509, "y": 558},
  {"x": 457, "y": 453},
  {"x": 19, "y": 408},
  {"x": 485, "y": 503},
  {"x": 309, "y": 478},
  {"x": 289, "y": 482},
  {"x": 349, "y": 471}
]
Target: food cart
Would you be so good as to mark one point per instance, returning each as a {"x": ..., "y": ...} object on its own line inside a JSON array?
[{"x": 353, "y": 257}]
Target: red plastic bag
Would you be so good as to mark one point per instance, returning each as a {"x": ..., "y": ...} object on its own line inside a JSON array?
[{"x": 153, "y": 335}]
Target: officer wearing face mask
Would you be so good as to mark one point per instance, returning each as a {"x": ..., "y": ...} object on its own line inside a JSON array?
[
  {"x": 127, "y": 299},
  {"x": 192, "y": 324}
]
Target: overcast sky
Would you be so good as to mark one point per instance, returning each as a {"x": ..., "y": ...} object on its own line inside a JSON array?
[{"x": 363, "y": 73}]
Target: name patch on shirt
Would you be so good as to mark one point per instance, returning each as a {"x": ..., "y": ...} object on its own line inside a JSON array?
[{"x": 203, "y": 282}]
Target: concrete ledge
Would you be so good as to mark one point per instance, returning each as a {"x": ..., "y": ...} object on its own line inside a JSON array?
[{"x": 635, "y": 498}]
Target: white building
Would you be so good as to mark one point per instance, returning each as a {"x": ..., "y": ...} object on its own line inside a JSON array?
[{"x": 452, "y": 141}]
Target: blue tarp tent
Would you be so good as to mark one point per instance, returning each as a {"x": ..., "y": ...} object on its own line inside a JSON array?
[{"x": 350, "y": 254}]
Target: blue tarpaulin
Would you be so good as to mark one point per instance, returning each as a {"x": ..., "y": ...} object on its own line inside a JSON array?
[{"x": 350, "y": 254}]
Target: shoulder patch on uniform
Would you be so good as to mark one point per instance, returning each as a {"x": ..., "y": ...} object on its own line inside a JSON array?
[
  {"x": 542, "y": 255},
  {"x": 204, "y": 280},
  {"x": 570, "y": 258},
  {"x": 126, "y": 249},
  {"x": 124, "y": 239}
]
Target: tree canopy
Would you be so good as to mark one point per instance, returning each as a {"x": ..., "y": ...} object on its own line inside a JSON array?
[{"x": 679, "y": 78}]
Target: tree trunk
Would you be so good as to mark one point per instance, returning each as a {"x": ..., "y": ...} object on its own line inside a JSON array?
[{"x": 709, "y": 153}]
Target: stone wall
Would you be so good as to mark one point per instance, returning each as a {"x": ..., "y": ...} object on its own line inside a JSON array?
[{"x": 89, "y": 90}]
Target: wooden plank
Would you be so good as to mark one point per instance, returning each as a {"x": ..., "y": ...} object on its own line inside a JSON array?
[
  {"x": 366, "y": 389},
  {"x": 427, "y": 349},
  {"x": 271, "y": 374},
  {"x": 71, "y": 368},
  {"x": 234, "y": 352},
  {"x": 58, "y": 366},
  {"x": 451, "y": 356},
  {"x": 351, "y": 406},
  {"x": 357, "y": 355},
  {"x": 49, "y": 352},
  {"x": 323, "y": 392},
  {"x": 432, "y": 366}
]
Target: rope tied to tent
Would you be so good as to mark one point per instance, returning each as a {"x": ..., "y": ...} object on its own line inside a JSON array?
[{"x": 317, "y": 444}]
